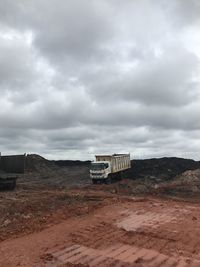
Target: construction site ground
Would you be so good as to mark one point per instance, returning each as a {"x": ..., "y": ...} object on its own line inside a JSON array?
[
  {"x": 48, "y": 223},
  {"x": 94, "y": 226}
]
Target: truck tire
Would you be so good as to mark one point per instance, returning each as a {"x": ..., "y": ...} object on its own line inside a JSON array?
[
  {"x": 94, "y": 181},
  {"x": 108, "y": 180},
  {"x": 12, "y": 184}
]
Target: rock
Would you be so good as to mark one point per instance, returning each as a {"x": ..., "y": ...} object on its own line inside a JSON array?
[
  {"x": 6, "y": 223},
  {"x": 28, "y": 216}
]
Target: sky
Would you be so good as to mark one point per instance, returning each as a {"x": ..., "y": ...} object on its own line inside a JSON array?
[{"x": 86, "y": 77}]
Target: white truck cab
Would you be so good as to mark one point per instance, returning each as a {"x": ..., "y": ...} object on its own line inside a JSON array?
[
  {"x": 100, "y": 170},
  {"x": 107, "y": 167}
]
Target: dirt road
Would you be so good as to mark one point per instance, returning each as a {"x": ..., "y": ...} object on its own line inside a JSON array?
[
  {"x": 119, "y": 232},
  {"x": 57, "y": 218}
]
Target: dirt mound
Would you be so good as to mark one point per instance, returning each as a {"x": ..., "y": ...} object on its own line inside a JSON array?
[
  {"x": 160, "y": 169},
  {"x": 186, "y": 185},
  {"x": 189, "y": 177},
  {"x": 46, "y": 173},
  {"x": 143, "y": 177},
  {"x": 66, "y": 163},
  {"x": 36, "y": 163}
]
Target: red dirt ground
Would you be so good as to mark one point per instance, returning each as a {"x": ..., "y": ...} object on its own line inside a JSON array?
[{"x": 95, "y": 227}]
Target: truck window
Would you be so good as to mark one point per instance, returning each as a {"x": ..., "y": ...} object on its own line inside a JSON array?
[{"x": 97, "y": 166}]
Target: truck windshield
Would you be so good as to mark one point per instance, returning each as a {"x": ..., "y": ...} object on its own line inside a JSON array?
[{"x": 98, "y": 166}]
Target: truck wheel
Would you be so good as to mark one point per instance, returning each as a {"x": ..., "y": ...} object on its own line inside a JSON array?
[
  {"x": 108, "y": 180},
  {"x": 12, "y": 185},
  {"x": 94, "y": 181},
  {"x": 119, "y": 176}
]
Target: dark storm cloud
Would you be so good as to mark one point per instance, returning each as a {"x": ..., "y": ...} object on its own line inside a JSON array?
[
  {"x": 85, "y": 77},
  {"x": 167, "y": 80},
  {"x": 63, "y": 30}
]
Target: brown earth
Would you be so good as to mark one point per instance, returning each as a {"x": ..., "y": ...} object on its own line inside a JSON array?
[
  {"x": 112, "y": 231},
  {"x": 56, "y": 217}
]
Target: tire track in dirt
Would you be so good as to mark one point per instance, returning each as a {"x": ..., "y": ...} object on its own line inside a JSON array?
[
  {"x": 103, "y": 239},
  {"x": 104, "y": 244},
  {"x": 116, "y": 255}
]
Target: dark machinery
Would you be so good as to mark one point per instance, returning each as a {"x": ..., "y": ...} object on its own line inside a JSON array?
[{"x": 10, "y": 168}]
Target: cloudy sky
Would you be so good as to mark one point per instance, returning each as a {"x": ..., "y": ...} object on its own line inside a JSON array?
[{"x": 79, "y": 77}]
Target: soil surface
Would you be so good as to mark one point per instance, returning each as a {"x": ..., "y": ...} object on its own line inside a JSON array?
[
  {"x": 57, "y": 218},
  {"x": 119, "y": 231}
]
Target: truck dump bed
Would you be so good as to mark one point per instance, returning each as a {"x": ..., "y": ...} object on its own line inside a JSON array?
[{"x": 119, "y": 162}]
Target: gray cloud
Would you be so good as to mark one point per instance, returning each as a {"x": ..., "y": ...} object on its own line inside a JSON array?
[
  {"x": 167, "y": 80},
  {"x": 85, "y": 77},
  {"x": 16, "y": 64}
]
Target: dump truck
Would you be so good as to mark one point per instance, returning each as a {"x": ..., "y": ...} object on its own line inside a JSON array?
[
  {"x": 109, "y": 167},
  {"x": 10, "y": 168}
]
